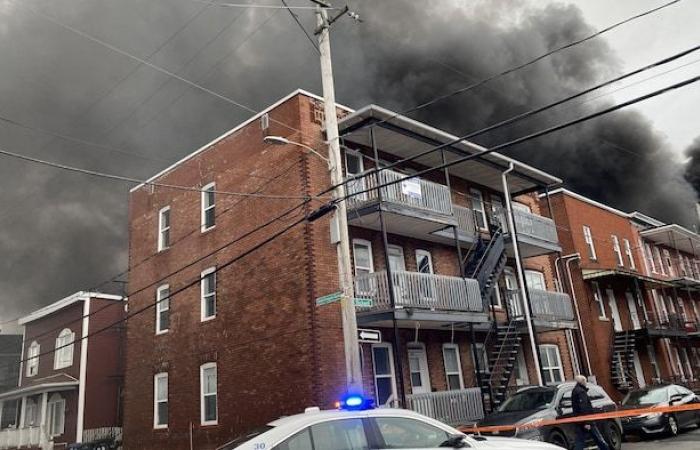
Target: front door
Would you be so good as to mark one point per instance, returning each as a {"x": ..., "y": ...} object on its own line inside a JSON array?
[
  {"x": 398, "y": 269},
  {"x": 634, "y": 315},
  {"x": 612, "y": 302},
  {"x": 418, "y": 365},
  {"x": 639, "y": 373}
]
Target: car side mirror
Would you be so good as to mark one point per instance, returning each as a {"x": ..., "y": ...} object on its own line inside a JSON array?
[{"x": 455, "y": 441}]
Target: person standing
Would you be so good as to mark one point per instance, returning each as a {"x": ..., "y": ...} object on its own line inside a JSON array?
[{"x": 581, "y": 405}]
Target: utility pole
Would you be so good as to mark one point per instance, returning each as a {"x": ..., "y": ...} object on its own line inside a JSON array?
[{"x": 340, "y": 219}]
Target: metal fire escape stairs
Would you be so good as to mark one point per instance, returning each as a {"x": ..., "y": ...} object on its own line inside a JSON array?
[{"x": 623, "y": 373}]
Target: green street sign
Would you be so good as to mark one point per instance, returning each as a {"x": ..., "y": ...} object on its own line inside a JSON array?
[
  {"x": 363, "y": 302},
  {"x": 330, "y": 298}
]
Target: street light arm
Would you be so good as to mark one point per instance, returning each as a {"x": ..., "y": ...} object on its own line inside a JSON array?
[{"x": 279, "y": 140}]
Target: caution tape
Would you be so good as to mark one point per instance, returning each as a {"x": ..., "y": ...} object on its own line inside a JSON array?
[{"x": 538, "y": 423}]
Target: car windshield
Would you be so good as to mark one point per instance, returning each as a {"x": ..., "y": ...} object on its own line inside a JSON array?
[
  {"x": 245, "y": 437},
  {"x": 531, "y": 399},
  {"x": 649, "y": 397}
]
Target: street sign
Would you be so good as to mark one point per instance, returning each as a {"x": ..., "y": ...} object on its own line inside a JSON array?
[
  {"x": 363, "y": 302},
  {"x": 330, "y": 298},
  {"x": 369, "y": 336}
]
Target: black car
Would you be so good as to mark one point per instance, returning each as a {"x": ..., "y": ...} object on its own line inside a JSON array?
[
  {"x": 653, "y": 423},
  {"x": 553, "y": 402}
]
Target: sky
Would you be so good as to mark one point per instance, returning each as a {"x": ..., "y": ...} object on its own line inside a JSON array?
[{"x": 69, "y": 93}]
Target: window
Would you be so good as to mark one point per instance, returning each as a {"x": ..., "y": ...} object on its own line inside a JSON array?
[
  {"x": 208, "y": 207},
  {"x": 56, "y": 415},
  {"x": 162, "y": 309},
  {"x": 628, "y": 252},
  {"x": 383, "y": 363},
  {"x": 362, "y": 255},
  {"x": 551, "y": 364},
  {"x": 477, "y": 200},
  {"x": 399, "y": 432},
  {"x": 659, "y": 262},
  {"x": 669, "y": 263},
  {"x": 653, "y": 362},
  {"x": 453, "y": 368},
  {"x": 598, "y": 297},
  {"x": 650, "y": 258},
  {"x": 208, "y": 286},
  {"x": 33, "y": 359},
  {"x": 160, "y": 400},
  {"x": 164, "y": 228},
  {"x": 588, "y": 237},
  {"x": 300, "y": 441},
  {"x": 31, "y": 416},
  {"x": 424, "y": 262},
  {"x": 207, "y": 375},
  {"x": 616, "y": 249},
  {"x": 354, "y": 166},
  {"x": 535, "y": 280},
  {"x": 483, "y": 359},
  {"x": 63, "y": 356},
  {"x": 346, "y": 434}
]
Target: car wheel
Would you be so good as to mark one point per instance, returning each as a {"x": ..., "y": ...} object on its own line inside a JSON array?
[
  {"x": 672, "y": 426},
  {"x": 557, "y": 438},
  {"x": 614, "y": 436}
]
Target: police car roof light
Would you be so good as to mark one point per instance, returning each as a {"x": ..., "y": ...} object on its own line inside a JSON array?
[{"x": 355, "y": 402}]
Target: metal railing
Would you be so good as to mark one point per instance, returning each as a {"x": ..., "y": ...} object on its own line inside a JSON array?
[
  {"x": 103, "y": 433},
  {"x": 532, "y": 225},
  {"x": 465, "y": 219},
  {"x": 457, "y": 407},
  {"x": 420, "y": 290},
  {"x": 664, "y": 321},
  {"x": 413, "y": 192},
  {"x": 546, "y": 305},
  {"x": 12, "y": 438}
]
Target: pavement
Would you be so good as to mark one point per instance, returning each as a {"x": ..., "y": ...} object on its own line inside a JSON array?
[{"x": 686, "y": 440}]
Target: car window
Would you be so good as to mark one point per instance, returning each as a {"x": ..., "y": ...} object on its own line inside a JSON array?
[
  {"x": 596, "y": 393},
  {"x": 645, "y": 397},
  {"x": 345, "y": 434},
  {"x": 683, "y": 391},
  {"x": 300, "y": 441},
  {"x": 399, "y": 432},
  {"x": 530, "y": 399}
]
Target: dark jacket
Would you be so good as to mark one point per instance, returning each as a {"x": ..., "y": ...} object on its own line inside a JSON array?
[{"x": 580, "y": 403}]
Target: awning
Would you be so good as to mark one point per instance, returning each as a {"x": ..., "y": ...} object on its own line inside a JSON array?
[
  {"x": 404, "y": 137},
  {"x": 54, "y": 383},
  {"x": 674, "y": 236}
]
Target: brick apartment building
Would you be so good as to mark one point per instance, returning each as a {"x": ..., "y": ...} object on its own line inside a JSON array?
[
  {"x": 70, "y": 381},
  {"x": 635, "y": 283},
  {"x": 233, "y": 346}
]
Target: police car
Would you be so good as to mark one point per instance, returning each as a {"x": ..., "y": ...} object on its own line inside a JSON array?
[{"x": 356, "y": 426}]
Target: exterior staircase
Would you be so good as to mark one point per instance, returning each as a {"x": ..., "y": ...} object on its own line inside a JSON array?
[
  {"x": 502, "y": 358},
  {"x": 622, "y": 359},
  {"x": 486, "y": 263}
]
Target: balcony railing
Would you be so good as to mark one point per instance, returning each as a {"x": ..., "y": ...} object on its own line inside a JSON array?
[
  {"x": 29, "y": 437},
  {"x": 532, "y": 225},
  {"x": 413, "y": 192},
  {"x": 458, "y": 407},
  {"x": 420, "y": 290},
  {"x": 546, "y": 305},
  {"x": 465, "y": 219}
]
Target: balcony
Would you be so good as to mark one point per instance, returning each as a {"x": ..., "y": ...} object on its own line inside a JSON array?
[
  {"x": 667, "y": 325},
  {"x": 435, "y": 299},
  {"x": 549, "y": 309},
  {"x": 26, "y": 437},
  {"x": 413, "y": 207},
  {"x": 537, "y": 235},
  {"x": 466, "y": 227},
  {"x": 458, "y": 407}
]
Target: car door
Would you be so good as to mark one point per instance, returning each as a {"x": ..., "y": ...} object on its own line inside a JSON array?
[
  {"x": 683, "y": 396},
  {"x": 340, "y": 434},
  {"x": 406, "y": 433}
]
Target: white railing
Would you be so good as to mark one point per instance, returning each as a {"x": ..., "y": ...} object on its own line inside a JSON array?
[
  {"x": 98, "y": 434},
  {"x": 458, "y": 407},
  {"x": 13, "y": 438},
  {"x": 532, "y": 225},
  {"x": 546, "y": 305},
  {"x": 413, "y": 192},
  {"x": 465, "y": 219},
  {"x": 420, "y": 290}
]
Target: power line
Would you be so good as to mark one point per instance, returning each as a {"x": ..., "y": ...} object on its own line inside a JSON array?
[
  {"x": 252, "y": 5},
  {"x": 296, "y": 19}
]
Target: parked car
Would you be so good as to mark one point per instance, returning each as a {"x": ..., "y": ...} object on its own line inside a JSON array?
[
  {"x": 553, "y": 402},
  {"x": 368, "y": 428},
  {"x": 654, "y": 423}
]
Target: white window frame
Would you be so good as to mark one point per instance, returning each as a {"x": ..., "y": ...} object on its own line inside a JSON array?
[
  {"x": 422, "y": 252},
  {"x": 659, "y": 260},
  {"x": 63, "y": 354},
  {"x": 668, "y": 261},
  {"x": 551, "y": 368},
  {"x": 161, "y": 307},
  {"x": 650, "y": 257},
  {"x": 618, "y": 250},
  {"x": 211, "y": 187},
  {"x": 33, "y": 352},
  {"x": 162, "y": 229},
  {"x": 202, "y": 369},
  {"x": 356, "y": 185},
  {"x": 588, "y": 238},
  {"x": 55, "y": 405},
  {"x": 531, "y": 274},
  {"x": 368, "y": 245},
  {"x": 392, "y": 375},
  {"x": 598, "y": 298},
  {"x": 628, "y": 252},
  {"x": 455, "y": 348},
  {"x": 477, "y": 203},
  {"x": 157, "y": 378},
  {"x": 204, "y": 296}
]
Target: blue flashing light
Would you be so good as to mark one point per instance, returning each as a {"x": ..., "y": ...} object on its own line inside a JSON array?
[{"x": 355, "y": 402}]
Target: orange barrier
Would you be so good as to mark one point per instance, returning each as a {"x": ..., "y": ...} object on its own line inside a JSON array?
[{"x": 587, "y": 418}]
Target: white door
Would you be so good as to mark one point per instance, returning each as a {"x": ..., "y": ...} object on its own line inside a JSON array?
[
  {"x": 397, "y": 265},
  {"x": 424, "y": 263},
  {"x": 612, "y": 302},
  {"x": 639, "y": 373},
  {"x": 418, "y": 366},
  {"x": 634, "y": 315},
  {"x": 355, "y": 166},
  {"x": 514, "y": 303}
]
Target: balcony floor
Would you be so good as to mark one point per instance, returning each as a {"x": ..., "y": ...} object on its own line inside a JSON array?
[
  {"x": 530, "y": 246},
  {"x": 426, "y": 319}
]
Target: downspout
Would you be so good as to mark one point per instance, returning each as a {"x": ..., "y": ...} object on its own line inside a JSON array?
[
  {"x": 570, "y": 258},
  {"x": 521, "y": 278},
  {"x": 560, "y": 285}
]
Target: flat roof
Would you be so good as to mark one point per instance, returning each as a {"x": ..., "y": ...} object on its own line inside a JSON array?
[
  {"x": 64, "y": 302},
  {"x": 404, "y": 137}
]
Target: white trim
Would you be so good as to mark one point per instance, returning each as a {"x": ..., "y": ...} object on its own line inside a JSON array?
[
  {"x": 83, "y": 371},
  {"x": 588, "y": 239},
  {"x": 587, "y": 200},
  {"x": 368, "y": 244},
  {"x": 157, "y": 377},
  {"x": 38, "y": 388},
  {"x": 62, "y": 348},
  {"x": 454, "y": 347},
  {"x": 628, "y": 252},
  {"x": 32, "y": 358},
  {"x": 56, "y": 399},
  {"x": 391, "y": 376},
  {"x": 161, "y": 245},
  {"x": 477, "y": 196},
  {"x": 551, "y": 368},
  {"x": 202, "y": 368},
  {"x": 21, "y": 363},
  {"x": 60, "y": 304},
  {"x": 206, "y": 190},
  {"x": 204, "y": 273},
  {"x": 598, "y": 298},
  {"x": 235, "y": 129},
  {"x": 617, "y": 249},
  {"x": 159, "y": 305}
]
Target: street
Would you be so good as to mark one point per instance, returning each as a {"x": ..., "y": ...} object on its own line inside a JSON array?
[{"x": 687, "y": 440}]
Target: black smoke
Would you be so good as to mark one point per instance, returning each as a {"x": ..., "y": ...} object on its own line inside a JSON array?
[{"x": 692, "y": 170}]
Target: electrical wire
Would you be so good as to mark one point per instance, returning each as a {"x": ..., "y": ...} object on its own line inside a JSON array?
[
  {"x": 296, "y": 19},
  {"x": 252, "y": 5}
]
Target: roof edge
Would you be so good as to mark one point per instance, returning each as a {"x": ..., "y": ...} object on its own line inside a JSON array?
[{"x": 64, "y": 302}]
